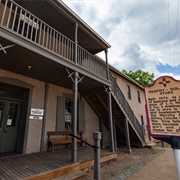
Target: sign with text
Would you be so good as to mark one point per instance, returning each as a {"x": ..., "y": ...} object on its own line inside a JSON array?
[
  {"x": 37, "y": 112},
  {"x": 163, "y": 107}
]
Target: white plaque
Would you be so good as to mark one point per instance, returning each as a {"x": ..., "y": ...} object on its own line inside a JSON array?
[{"x": 37, "y": 112}]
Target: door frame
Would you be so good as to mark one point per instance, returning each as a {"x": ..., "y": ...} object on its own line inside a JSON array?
[
  {"x": 9, "y": 130},
  {"x": 25, "y": 111}
]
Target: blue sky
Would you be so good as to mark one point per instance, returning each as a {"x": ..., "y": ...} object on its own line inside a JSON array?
[
  {"x": 144, "y": 34},
  {"x": 168, "y": 69}
]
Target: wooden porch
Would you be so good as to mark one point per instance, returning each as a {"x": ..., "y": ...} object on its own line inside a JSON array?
[{"x": 48, "y": 165}]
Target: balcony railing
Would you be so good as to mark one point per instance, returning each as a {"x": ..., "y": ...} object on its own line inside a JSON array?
[{"x": 19, "y": 21}]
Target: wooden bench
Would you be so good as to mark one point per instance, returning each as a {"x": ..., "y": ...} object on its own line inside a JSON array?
[{"x": 62, "y": 137}]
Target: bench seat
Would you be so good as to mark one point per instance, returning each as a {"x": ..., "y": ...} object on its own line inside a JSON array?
[{"x": 63, "y": 137}]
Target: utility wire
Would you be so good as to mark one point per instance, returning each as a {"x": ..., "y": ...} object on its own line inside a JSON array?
[
  {"x": 176, "y": 31},
  {"x": 169, "y": 31}
]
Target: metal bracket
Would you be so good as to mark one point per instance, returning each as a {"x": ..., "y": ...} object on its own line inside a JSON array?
[
  {"x": 5, "y": 47},
  {"x": 106, "y": 89},
  {"x": 70, "y": 76},
  {"x": 80, "y": 79}
]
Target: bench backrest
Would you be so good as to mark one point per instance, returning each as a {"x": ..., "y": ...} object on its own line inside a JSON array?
[{"x": 65, "y": 133}]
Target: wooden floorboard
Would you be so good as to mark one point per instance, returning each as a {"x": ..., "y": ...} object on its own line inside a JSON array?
[{"x": 27, "y": 165}]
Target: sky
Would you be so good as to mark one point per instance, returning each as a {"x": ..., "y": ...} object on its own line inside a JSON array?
[{"x": 143, "y": 34}]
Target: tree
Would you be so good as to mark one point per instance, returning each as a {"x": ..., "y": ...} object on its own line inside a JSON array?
[{"x": 141, "y": 77}]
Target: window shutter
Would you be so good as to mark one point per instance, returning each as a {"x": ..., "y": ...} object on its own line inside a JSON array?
[{"x": 60, "y": 122}]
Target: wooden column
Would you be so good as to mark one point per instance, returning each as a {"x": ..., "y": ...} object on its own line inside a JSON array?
[
  {"x": 111, "y": 132},
  {"x": 75, "y": 93},
  {"x": 127, "y": 135}
]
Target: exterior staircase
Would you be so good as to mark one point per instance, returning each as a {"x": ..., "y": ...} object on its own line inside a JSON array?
[{"x": 121, "y": 110}]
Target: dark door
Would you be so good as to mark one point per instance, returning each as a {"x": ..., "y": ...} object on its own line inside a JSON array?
[{"x": 9, "y": 122}]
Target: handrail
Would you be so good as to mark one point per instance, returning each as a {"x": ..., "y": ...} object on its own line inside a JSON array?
[
  {"x": 95, "y": 147},
  {"x": 126, "y": 107},
  {"x": 18, "y": 20}
]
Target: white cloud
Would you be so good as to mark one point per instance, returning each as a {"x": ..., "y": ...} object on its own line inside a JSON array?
[{"x": 142, "y": 33}]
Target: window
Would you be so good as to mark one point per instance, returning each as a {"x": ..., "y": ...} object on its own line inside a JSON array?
[
  {"x": 139, "y": 97},
  {"x": 68, "y": 114},
  {"x": 142, "y": 120},
  {"x": 64, "y": 116},
  {"x": 129, "y": 91}
]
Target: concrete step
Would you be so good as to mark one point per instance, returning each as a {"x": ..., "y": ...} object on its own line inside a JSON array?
[
  {"x": 75, "y": 175},
  {"x": 154, "y": 143}
]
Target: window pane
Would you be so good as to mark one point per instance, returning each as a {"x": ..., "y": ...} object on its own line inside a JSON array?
[
  {"x": 12, "y": 114},
  {"x": 68, "y": 114},
  {"x": 129, "y": 91},
  {"x": 139, "y": 97},
  {"x": 11, "y": 93},
  {"x": 2, "y": 106}
]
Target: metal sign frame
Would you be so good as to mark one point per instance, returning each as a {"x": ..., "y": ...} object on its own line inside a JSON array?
[{"x": 163, "y": 107}]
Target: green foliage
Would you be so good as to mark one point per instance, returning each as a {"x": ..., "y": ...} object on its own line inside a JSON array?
[{"x": 141, "y": 77}]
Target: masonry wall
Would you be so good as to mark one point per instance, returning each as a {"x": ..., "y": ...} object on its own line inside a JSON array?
[
  {"x": 37, "y": 101},
  {"x": 34, "y": 127}
]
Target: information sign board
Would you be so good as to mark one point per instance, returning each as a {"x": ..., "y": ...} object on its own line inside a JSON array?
[
  {"x": 37, "y": 112},
  {"x": 163, "y": 107}
]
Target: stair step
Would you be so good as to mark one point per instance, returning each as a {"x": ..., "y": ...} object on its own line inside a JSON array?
[
  {"x": 75, "y": 175},
  {"x": 152, "y": 144}
]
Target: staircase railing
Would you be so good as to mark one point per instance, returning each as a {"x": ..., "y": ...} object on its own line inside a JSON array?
[{"x": 126, "y": 108}]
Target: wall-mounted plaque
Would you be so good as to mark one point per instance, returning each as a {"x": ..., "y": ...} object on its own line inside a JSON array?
[
  {"x": 36, "y": 117},
  {"x": 37, "y": 112},
  {"x": 163, "y": 107}
]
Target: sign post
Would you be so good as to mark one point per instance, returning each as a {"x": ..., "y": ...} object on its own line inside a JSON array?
[{"x": 163, "y": 113}]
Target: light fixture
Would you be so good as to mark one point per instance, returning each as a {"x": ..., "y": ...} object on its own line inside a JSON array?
[{"x": 29, "y": 68}]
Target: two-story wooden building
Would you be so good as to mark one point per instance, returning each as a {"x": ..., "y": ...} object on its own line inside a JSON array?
[{"x": 51, "y": 79}]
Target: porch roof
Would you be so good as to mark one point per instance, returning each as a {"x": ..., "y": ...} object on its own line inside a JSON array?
[
  {"x": 34, "y": 62},
  {"x": 47, "y": 51},
  {"x": 63, "y": 19}
]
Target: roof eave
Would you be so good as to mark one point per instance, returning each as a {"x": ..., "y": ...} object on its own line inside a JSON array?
[{"x": 82, "y": 24}]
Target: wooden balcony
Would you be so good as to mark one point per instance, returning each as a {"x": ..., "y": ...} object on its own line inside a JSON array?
[{"x": 28, "y": 32}]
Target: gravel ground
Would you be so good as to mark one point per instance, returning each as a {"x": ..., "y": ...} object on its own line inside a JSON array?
[{"x": 126, "y": 164}]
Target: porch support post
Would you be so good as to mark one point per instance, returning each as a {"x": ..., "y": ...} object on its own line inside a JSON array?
[
  {"x": 115, "y": 138},
  {"x": 110, "y": 108},
  {"x": 107, "y": 66},
  {"x": 101, "y": 130},
  {"x": 75, "y": 93},
  {"x": 127, "y": 135},
  {"x": 110, "y": 121},
  {"x": 74, "y": 124}
]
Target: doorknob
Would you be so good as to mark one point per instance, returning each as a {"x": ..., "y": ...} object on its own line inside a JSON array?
[{"x": 5, "y": 130}]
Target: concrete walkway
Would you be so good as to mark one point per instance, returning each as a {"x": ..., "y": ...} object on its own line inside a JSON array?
[{"x": 162, "y": 167}]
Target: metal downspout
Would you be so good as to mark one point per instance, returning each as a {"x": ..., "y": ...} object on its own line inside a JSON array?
[{"x": 44, "y": 118}]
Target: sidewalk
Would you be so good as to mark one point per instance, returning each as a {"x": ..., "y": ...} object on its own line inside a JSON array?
[{"x": 162, "y": 167}]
